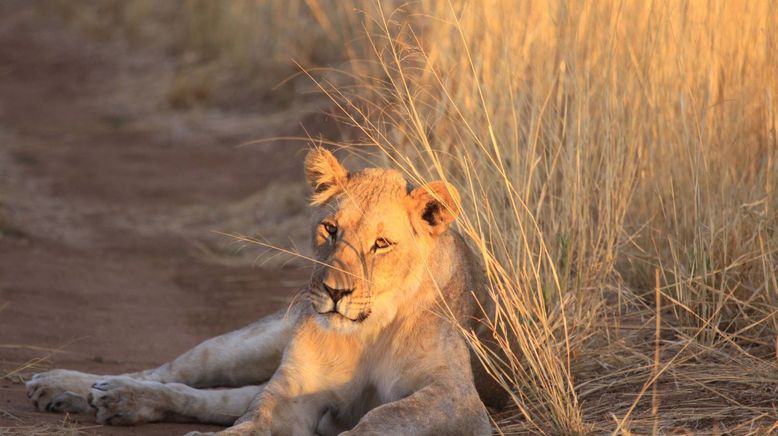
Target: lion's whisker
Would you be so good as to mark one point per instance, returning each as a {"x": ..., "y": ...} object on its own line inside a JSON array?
[{"x": 243, "y": 238}]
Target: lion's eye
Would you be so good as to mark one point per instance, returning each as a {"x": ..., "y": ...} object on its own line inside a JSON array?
[
  {"x": 382, "y": 243},
  {"x": 332, "y": 229}
]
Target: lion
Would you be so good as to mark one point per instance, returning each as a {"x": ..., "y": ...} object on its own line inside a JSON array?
[{"x": 371, "y": 350}]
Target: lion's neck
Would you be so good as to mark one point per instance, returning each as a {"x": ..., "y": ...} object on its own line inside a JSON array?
[
  {"x": 439, "y": 281},
  {"x": 443, "y": 262},
  {"x": 450, "y": 280}
]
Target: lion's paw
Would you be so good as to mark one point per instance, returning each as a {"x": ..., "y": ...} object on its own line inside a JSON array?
[
  {"x": 60, "y": 390},
  {"x": 124, "y": 401}
]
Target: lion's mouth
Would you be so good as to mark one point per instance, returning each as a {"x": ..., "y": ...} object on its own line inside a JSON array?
[{"x": 335, "y": 314}]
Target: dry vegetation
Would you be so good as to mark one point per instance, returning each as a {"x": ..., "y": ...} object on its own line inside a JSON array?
[{"x": 617, "y": 162}]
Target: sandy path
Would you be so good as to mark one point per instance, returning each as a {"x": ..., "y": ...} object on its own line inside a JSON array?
[{"x": 95, "y": 181}]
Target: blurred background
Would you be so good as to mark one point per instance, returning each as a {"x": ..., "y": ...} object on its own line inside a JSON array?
[{"x": 616, "y": 159}]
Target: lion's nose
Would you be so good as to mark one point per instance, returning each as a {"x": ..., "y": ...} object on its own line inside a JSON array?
[{"x": 336, "y": 294}]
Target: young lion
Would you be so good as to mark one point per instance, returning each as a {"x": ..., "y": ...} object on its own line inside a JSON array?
[{"x": 371, "y": 350}]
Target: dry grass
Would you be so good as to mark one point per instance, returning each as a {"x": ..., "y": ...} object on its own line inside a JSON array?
[
  {"x": 64, "y": 428},
  {"x": 18, "y": 373},
  {"x": 594, "y": 144}
]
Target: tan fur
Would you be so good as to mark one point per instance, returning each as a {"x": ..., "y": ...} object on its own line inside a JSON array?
[{"x": 371, "y": 351}]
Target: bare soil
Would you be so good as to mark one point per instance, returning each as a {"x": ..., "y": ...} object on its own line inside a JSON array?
[{"x": 108, "y": 203}]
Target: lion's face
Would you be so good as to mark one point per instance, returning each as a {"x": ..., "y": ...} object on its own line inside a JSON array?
[{"x": 371, "y": 239}]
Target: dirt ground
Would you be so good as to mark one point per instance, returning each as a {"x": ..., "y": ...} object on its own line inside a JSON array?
[{"x": 108, "y": 203}]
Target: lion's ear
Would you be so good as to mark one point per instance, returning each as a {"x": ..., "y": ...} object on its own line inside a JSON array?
[
  {"x": 325, "y": 174},
  {"x": 433, "y": 207}
]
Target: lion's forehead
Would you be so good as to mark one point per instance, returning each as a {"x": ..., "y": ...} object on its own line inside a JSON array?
[
  {"x": 371, "y": 193},
  {"x": 386, "y": 221},
  {"x": 374, "y": 186}
]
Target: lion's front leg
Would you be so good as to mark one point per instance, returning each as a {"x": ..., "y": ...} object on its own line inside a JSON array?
[
  {"x": 126, "y": 401},
  {"x": 244, "y": 357},
  {"x": 444, "y": 407}
]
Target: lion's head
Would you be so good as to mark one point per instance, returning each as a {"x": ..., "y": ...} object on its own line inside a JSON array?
[{"x": 372, "y": 236}]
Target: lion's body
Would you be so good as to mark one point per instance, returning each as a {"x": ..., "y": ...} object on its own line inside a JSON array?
[{"x": 371, "y": 351}]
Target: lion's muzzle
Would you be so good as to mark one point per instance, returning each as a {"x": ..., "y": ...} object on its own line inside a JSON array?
[
  {"x": 330, "y": 300},
  {"x": 336, "y": 294}
]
